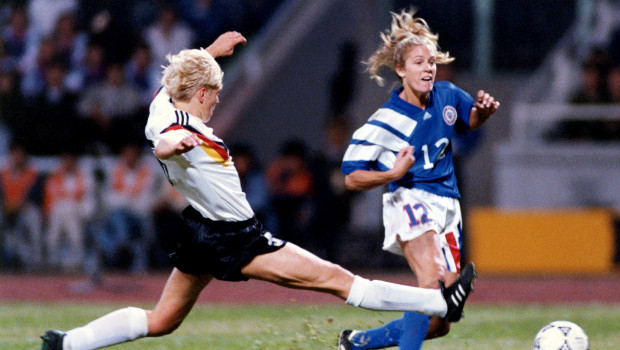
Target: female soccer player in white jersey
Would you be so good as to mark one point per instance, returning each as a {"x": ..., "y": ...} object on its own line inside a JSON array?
[
  {"x": 224, "y": 240},
  {"x": 406, "y": 144}
]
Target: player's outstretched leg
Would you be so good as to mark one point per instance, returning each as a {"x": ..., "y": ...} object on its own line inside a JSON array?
[
  {"x": 389, "y": 334},
  {"x": 52, "y": 340},
  {"x": 456, "y": 294}
]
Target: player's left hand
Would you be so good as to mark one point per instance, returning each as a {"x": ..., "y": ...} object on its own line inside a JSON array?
[
  {"x": 225, "y": 44},
  {"x": 486, "y": 104}
]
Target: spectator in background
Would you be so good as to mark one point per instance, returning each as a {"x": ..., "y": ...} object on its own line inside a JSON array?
[
  {"x": 254, "y": 184},
  {"x": 591, "y": 91},
  {"x": 129, "y": 203},
  {"x": 290, "y": 182},
  {"x": 167, "y": 218},
  {"x": 333, "y": 200},
  {"x": 141, "y": 73},
  {"x": 110, "y": 24},
  {"x": 167, "y": 35},
  {"x": 143, "y": 13},
  {"x": 593, "y": 70},
  {"x": 54, "y": 114},
  {"x": 110, "y": 109},
  {"x": 71, "y": 44},
  {"x": 16, "y": 35},
  {"x": 21, "y": 222},
  {"x": 90, "y": 71},
  {"x": 34, "y": 65},
  {"x": 13, "y": 116},
  {"x": 68, "y": 203},
  {"x": 45, "y": 14}
]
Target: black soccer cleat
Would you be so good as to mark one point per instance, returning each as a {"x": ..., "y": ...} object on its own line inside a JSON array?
[
  {"x": 52, "y": 340},
  {"x": 343, "y": 339},
  {"x": 456, "y": 294}
]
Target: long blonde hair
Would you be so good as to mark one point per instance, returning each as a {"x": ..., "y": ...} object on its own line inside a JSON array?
[{"x": 406, "y": 31}]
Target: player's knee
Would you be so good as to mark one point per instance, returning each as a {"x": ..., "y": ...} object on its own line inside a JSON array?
[{"x": 160, "y": 325}]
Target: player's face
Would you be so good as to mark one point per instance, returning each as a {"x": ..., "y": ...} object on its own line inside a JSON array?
[{"x": 418, "y": 71}]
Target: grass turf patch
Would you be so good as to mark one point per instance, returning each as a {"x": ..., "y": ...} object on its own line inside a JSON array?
[{"x": 268, "y": 327}]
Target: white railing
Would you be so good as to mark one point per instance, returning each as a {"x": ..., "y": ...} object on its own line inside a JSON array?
[
  {"x": 532, "y": 121},
  {"x": 532, "y": 171}
]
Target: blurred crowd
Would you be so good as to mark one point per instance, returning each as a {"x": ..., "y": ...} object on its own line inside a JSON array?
[
  {"x": 76, "y": 79},
  {"x": 88, "y": 69}
]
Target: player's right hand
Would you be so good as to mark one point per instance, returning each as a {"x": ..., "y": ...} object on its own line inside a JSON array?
[
  {"x": 404, "y": 160},
  {"x": 225, "y": 44}
]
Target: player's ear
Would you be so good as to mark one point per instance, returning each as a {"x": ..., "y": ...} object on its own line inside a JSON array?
[
  {"x": 400, "y": 70},
  {"x": 201, "y": 94}
]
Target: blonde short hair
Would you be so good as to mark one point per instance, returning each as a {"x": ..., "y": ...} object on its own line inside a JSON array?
[
  {"x": 190, "y": 70},
  {"x": 406, "y": 31}
]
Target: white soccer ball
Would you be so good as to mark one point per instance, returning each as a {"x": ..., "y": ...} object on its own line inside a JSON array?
[{"x": 561, "y": 335}]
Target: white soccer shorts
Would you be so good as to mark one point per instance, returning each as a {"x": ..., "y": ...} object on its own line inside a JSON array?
[{"x": 409, "y": 213}]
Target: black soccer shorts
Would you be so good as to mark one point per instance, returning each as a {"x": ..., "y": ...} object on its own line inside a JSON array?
[{"x": 218, "y": 248}]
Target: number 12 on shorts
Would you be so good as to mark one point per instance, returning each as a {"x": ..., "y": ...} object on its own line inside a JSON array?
[{"x": 417, "y": 214}]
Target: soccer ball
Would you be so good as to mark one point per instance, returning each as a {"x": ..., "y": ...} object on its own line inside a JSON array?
[{"x": 561, "y": 335}]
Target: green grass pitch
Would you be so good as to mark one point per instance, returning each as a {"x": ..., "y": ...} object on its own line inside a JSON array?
[{"x": 268, "y": 327}]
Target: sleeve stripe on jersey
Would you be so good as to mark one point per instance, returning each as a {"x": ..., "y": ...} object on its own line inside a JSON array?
[
  {"x": 361, "y": 142},
  {"x": 403, "y": 123},
  {"x": 369, "y": 153},
  {"x": 387, "y": 159},
  {"x": 378, "y": 133},
  {"x": 362, "y": 152},
  {"x": 215, "y": 150},
  {"x": 388, "y": 128}
]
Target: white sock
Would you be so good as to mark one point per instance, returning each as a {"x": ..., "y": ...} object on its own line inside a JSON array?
[
  {"x": 380, "y": 295},
  {"x": 116, "y": 327}
]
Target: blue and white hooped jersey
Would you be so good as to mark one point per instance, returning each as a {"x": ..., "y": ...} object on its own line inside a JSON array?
[
  {"x": 398, "y": 124},
  {"x": 206, "y": 175}
]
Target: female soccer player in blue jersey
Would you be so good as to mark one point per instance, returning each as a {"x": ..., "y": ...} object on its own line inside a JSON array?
[
  {"x": 224, "y": 239},
  {"x": 406, "y": 144}
]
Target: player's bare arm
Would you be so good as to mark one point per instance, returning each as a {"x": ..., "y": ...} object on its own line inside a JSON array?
[
  {"x": 484, "y": 107},
  {"x": 225, "y": 44},
  {"x": 167, "y": 148},
  {"x": 368, "y": 179}
]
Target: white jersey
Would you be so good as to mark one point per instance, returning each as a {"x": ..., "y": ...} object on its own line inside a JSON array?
[{"x": 206, "y": 175}]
